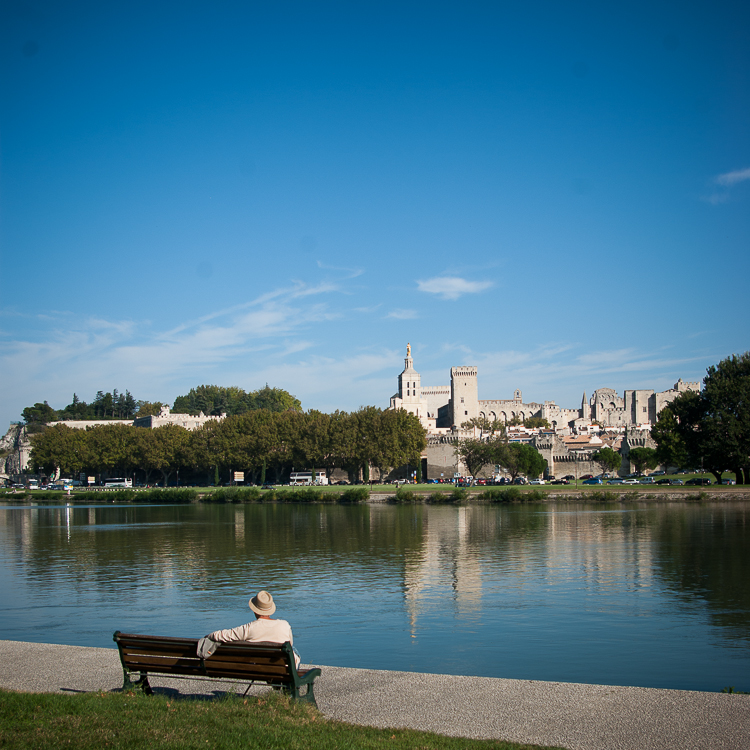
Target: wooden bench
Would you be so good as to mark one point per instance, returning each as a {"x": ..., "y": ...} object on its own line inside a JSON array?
[{"x": 270, "y": 663}]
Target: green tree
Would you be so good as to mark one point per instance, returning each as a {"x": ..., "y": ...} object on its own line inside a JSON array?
[
  {"x": 216, "y": 400},
  {"x": 165, "y": 449},
  {"x": 148, "y": 408},
  {"x": 475, "y": 454},
  {"x": 518, "y": 458},
  {"x": 725, "y": 423},
  {"x": 39, "y": 414},
  {"x": 643, "y": 458},
  {"x": 672, "y": 447},
  {"x": 535, "y": 423},
  {"x": 60, "y": 446},
  {"x": 607, "y": 458},
  {"x": 711, "y": 429}
]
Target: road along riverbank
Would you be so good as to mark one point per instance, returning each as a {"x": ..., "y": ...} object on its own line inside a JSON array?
[{"x": 570, "y": 715}]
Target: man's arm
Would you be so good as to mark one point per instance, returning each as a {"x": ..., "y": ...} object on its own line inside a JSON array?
[{"x": 240, "y": 633}]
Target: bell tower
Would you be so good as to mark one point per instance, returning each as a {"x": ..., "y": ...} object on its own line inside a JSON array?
[{"x": 409, "y": 381}]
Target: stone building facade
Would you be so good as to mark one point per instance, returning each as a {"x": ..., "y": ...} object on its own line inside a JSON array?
[
  {"x": 165, "y": 417},
  {"x": 444, "y": 409}
]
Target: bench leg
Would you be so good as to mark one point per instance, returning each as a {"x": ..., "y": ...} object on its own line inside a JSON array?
[
  {"x": 141, "y": 683},
  {"x": 307, "y": 697}
]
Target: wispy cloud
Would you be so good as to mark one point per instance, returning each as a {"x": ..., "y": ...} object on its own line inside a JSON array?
[
  {"x": 452, "y": 287},
  {"x": 402, "y": 314},
  {"x": 725, "y": 182},
  {"x": 732, "y": 178}
]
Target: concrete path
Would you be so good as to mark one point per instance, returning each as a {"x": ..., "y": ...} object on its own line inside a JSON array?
[{"x": 569, "y": 715}]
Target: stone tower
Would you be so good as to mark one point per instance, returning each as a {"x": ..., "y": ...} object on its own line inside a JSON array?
[
  {"x": 409, "y": 382},
  {"x": 464, "y": 394}
]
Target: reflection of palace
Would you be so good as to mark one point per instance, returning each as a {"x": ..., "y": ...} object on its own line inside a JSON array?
[
  {"x": 446, "y": 567},
  {"x": 468, "y": 552}
]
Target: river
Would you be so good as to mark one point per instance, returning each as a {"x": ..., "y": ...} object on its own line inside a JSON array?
[{"x": 654, "y": 595}]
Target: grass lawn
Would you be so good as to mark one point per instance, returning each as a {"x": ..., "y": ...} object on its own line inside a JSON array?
[{"x": 122, "y": 720}]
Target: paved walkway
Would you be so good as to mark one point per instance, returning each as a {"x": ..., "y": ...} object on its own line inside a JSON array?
[{"x": 574, "y": 716}]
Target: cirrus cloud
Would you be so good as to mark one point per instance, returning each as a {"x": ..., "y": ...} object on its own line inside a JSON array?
[
  {"x": 732, "y": 178},
  {"x": 452, "y": 287}
]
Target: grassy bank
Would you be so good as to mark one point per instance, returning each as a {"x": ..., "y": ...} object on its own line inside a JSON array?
[
  {"x": 429, "y": 493},
  {"x": 117, "y": 720}
]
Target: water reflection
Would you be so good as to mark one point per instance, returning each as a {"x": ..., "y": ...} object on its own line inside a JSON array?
[{"x": 596, "y": 594}]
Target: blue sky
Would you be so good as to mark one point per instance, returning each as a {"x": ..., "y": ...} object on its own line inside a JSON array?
[{"x": 242, "y": 193}]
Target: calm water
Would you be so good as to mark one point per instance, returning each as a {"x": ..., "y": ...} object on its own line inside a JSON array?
[{"x": 654, "y": 595}]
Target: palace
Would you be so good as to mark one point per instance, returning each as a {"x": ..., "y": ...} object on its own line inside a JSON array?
[
  {"x": 623, "y": 422},
  {"x": 446, "y": 407}
]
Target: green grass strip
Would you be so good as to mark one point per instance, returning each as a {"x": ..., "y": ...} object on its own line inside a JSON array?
[{"x": 123, "y": 720}]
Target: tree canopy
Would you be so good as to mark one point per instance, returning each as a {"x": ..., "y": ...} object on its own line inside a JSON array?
[
  {"x": 216, "y": 400},
  {"x": 643, "y": 458},
  {"x": 608, "y": 458},
  {"x": 710, "y": 429}
]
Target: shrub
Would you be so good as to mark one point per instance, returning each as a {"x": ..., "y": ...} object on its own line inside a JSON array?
[
  {"x": 534, "y": 496},
  {"x": 404, "y": 495},
  {"x": 354, "y": 495},
  {"x": 507, "y": 495},
  {"x": 304, "y": 495},
  {"x": 233, "y": 495},
  {"x": 457, "y": 495}
]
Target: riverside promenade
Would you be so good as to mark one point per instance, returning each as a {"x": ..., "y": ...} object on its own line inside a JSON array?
[{"x": 569, "y": 715}]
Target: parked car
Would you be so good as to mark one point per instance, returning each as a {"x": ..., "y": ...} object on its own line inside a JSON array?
[
  {"x": 699, "y": 481},
  {"x": 658, "y": 473},
  {"x": 616, "y": 481},
  {"x": 664, "y": 481},
  {"x": 537, "y": 481},
  {"x": 593, "y": 480},
  {"x": 587, "y": 476},
  {"x": 560, "y": 481},
  {"x": 569, "y": 477},
  {"x": 267, "y": 487},
  {"x": 729, "y": 481},
  {"x": 646, "y": 480},
  {"x": 676, "y": 481},
  {"x": 519, "y": 480},
  {"x": 630, "y": 481}
]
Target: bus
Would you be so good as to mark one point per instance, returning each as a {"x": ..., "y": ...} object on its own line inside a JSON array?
[
  {"x": 304, "y": 478},
  {"x": 118, "y": 482}
]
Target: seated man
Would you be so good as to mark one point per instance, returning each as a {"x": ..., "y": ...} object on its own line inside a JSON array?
[{"x": 264, "y": 628}]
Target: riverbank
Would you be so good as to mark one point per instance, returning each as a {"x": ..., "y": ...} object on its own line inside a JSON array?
[
  {"x": 569, "y": 715},
  {"x": 435, "y": 494}
]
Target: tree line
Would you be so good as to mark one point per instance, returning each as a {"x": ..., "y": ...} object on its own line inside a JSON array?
[
  {"x": 212, "y": 400},
  {"x": 261, "y": 443}
]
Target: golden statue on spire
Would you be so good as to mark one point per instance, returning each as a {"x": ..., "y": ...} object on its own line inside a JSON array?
[{"x": 408, "y": 350}]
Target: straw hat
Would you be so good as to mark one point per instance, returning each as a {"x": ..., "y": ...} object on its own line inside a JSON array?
[{"x": 262, "y": 604}]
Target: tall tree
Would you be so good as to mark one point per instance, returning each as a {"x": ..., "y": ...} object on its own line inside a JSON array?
[
  {"x": 607, "y": 458},
  {"x": 643, "y": 458},
  {"x": 475, "y": 453}
]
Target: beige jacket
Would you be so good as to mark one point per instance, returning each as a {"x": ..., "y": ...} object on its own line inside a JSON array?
[{"x": 270, "y": 631}]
